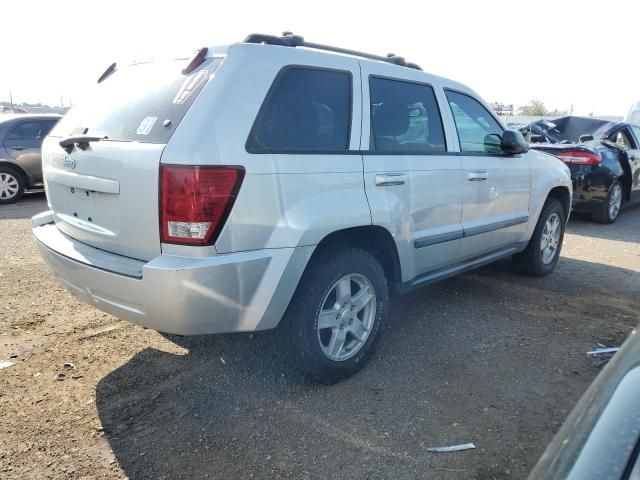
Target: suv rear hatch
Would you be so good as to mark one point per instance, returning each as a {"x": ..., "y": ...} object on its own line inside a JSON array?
[{"x": 104, "y": 192}]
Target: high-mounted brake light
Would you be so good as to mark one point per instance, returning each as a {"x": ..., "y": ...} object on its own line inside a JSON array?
[
  {"x": 194, "y": 62},
  {"x": 195, "y": 202},
  {"x": 579, "y": 157}
]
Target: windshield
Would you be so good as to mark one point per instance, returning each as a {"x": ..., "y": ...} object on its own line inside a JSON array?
[{"x": 143, "y": 102}]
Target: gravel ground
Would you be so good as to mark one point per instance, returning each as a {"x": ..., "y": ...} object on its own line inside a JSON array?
[{"x": 490, "y": 357}]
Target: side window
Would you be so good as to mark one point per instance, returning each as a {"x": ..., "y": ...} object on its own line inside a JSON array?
[
  {"x": 636, "y": 133},
  {"x": 47, "y": 126},
  {"x": 478, "y": 131},
  {"x": 27, "y": 131},
  {"x": 622, "y": 140},
  {"x": 306, "y": 109},
  {"x": 404, "y": 117}
]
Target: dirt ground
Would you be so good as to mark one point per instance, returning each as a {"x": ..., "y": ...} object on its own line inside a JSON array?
[{"x": 490, "y": 357}]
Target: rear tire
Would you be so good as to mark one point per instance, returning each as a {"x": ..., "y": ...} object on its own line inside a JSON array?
[
  {"x": 336, "y": 315},
  {"x": 11, "y": 185},
  {"x": 542, "y": 253},
  {"x": 610, "y": 209}
]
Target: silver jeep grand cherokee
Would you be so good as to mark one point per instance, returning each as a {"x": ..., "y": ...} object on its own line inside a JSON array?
[{"x": 276, "y": 181}]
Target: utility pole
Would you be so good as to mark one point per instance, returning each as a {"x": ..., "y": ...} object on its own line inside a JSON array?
[
  {"x": 61, "y": 102},
  {"x": 11, "y": 100}
]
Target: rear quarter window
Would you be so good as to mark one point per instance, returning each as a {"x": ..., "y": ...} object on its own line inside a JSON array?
[
  {"x": 306, "y": 110},
  {"x": 143, "y": 102}
]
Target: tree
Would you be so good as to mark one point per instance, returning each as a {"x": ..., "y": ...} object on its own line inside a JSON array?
[{"x": 535, "y": 108}]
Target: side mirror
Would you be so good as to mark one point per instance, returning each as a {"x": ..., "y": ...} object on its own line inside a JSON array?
[
  {"x": 585, "y": 138},
  {"x": 513, "y": 143}
]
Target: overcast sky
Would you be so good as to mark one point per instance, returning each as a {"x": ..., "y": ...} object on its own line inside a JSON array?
[{"x": 584, "y": 53}]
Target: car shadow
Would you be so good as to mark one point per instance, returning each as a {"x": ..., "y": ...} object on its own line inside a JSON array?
[
  {"x": 625, "y": 229},
  {"x": 454, "y": 365}
]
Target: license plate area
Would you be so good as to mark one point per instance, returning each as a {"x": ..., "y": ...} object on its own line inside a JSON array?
[{"x": 81, "y": 204}]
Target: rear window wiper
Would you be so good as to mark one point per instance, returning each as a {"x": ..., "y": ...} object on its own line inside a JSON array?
[{"x": 81, "y": 141}]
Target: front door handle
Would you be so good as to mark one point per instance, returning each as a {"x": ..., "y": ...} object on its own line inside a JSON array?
[
  {"x": 18, "y": 147},
  {"x": 390, "y": 179},
  {"x": 477, "y": 176}
]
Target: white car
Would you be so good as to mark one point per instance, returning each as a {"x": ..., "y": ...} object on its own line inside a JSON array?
[
  {"x": 276, "y": 182},
  {"x": 634, "y": 114}
]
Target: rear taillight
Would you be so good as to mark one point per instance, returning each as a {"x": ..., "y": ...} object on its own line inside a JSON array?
[
  {"x": 579, "y": 157},
  {"x": 195, "y": 202}
]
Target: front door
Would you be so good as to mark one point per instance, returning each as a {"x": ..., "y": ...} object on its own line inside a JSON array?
[
  {"x": 496, "y": 187},
  {"x": 633, "y": 155}
]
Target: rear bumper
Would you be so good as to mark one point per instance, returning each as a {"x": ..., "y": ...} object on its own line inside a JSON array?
[
  {"x": 590, "y": 187},
  {"x": 588, "y": 198},
  {"x": 238, "y": 292}
]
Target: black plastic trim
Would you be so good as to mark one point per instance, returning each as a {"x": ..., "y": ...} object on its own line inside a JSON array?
[
  {"x": 429, "y": 240},
  {"x": 436, "y": 239},
  {"x": 289, "y": 40},
  {"x": 470, "y": 232}
]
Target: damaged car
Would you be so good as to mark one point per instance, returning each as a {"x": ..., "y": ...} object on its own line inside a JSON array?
[{"x": 603, "y": 156}]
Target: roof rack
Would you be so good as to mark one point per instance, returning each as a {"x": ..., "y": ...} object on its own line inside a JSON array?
[{"x": 288, "y": 39}]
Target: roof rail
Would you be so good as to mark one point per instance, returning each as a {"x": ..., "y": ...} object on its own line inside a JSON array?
[{"x": 288, "y": 39}]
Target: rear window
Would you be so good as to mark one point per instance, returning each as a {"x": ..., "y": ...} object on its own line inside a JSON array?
[
  {"x": 144, "y": 102},
  {"x": 306, "y": 109}
]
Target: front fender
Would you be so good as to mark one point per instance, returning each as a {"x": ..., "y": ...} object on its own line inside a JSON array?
[{"x": 547, "y": 173}]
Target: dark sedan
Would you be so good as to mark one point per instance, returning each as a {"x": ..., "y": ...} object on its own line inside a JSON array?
[
  {"x": 604, "y": 159},
  {"x": 20, "y": 159}
]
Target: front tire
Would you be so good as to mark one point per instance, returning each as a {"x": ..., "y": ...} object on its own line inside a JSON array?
[
  {"x": 11, "y": 185},
  {"x": 609, "y": 211},
  {"x": 542, "y": 253},
  {"x": 337, "y": 313}
]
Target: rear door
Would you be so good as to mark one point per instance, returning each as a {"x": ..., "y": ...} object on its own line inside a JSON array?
[
  {"x": 496, "y": 187},
  {"x": 106, "y": 194},
  {"x": 413, "y": 184}
]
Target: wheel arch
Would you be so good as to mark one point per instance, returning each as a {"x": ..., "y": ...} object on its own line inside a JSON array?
[
  {"x": 374, "y": 239},
  {"x": 563, "y": 196}
]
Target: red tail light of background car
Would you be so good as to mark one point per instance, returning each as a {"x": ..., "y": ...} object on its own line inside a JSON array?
[{"x": 579, "y": 157}]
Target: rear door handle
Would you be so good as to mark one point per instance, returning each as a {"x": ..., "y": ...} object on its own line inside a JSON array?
[
  {"x": 477, "y": 175},
  {"x": 18, "y": 147},
  {"x": 390, "y": 179}
]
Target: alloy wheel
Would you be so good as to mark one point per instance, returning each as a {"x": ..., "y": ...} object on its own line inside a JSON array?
[
  {"x": 346, "y": 317},
  {"x": 615, "y": 201},
  {"x": 550, "y": 241}
]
